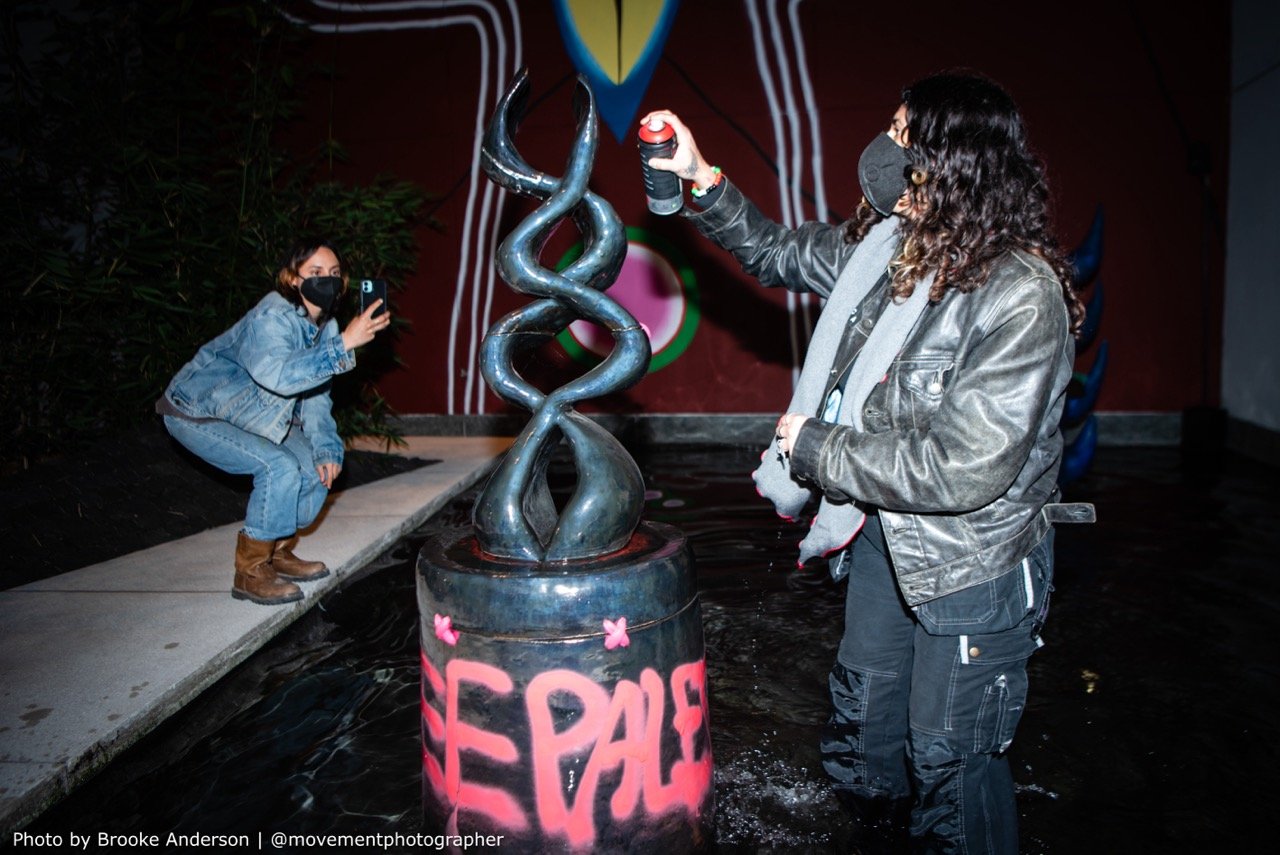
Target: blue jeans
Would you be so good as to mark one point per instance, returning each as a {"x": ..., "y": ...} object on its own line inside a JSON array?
[
  {"x": 927, "y": 700},
  {"x": 287, "y": 491}
]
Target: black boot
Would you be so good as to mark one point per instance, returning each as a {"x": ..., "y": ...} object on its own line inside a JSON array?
[{"x": 881, "y": 822}]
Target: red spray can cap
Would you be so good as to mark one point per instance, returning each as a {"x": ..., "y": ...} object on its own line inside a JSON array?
[{"x": 656, "y": 132}]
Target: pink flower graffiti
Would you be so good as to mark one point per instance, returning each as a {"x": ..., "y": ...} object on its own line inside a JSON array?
[
  {"x": 445, "y": 631},
  {"x": 615, "y": 634}
]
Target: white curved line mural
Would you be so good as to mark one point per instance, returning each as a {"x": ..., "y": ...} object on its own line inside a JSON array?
[
  {"x": 476, "y": 272},
  {"x": 788, "y": 139},
  {"x": 781, "y": 62}
]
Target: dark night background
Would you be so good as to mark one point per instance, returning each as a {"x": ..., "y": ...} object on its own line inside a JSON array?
[{"x": 1162, "y": 118}]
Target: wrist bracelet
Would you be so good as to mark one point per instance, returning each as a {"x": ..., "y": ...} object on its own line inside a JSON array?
[{"x": 698, "y": 193}]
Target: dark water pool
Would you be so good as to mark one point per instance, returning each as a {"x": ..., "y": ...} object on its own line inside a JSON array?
[{"x": 1150, "y": 726}]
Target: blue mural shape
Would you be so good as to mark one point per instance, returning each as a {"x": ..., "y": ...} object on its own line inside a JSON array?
[
  {"x": 1078, "y": 419},
  {"x": 1087, "y": 257},
  {"x": 617, "y": 61}
]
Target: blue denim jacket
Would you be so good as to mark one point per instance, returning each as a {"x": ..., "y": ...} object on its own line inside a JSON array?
[{"x": 272, "y": 363}]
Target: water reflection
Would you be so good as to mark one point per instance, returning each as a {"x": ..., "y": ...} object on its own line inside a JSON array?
[{"x": 1147, "y": 726}]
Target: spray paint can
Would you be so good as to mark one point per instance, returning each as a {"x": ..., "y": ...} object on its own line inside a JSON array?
[{"x": 661, "y": 188}]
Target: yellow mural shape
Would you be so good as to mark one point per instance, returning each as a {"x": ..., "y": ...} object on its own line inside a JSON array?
[{"x": 616, "y": 45}]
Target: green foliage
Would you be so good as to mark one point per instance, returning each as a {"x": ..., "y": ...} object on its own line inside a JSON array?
[{"x": 149, "y": 203}]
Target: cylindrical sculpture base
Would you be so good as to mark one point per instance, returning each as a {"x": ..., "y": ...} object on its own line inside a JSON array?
[{"x": 548, "y": 726}]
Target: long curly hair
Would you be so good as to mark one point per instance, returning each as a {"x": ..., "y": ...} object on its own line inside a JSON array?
[{"x": 976, "y": 191}]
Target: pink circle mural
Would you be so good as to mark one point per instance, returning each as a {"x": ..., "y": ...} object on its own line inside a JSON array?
[{"x": 657, "y": 287}]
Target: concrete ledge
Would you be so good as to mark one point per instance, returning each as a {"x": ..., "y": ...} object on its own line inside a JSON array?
[
  {"x": 1253, "y": 441},
  {"x": 1114, "y": 429},
  {"x": 92, "y": 660},
  {"x": 1132, "y": 429}
]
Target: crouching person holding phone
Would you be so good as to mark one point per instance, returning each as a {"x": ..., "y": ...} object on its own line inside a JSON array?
[{"x": 255, "y": 401}]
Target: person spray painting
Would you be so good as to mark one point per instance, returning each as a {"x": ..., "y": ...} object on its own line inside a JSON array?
[{"x": 925, "y": 426}]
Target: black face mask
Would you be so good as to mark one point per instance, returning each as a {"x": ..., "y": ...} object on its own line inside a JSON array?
[
  {"x": 322, "y": 292},
  {"x": 882, "y": 172}
]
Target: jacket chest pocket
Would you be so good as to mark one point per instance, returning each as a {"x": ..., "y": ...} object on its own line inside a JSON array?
[{"x": 918, "y": 387}]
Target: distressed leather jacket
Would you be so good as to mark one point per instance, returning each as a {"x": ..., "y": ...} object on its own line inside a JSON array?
[
  {"x": 960, "y": 445},
  {"x": 271, "y": 365}
]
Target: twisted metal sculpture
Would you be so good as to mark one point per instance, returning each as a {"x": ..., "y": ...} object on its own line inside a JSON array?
[{"x": 515, "y": 517}]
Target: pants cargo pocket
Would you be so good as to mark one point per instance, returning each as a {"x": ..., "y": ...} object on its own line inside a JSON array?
[
  {"x": 988, "y": 689},
  {"x": 999, "y": 711}
]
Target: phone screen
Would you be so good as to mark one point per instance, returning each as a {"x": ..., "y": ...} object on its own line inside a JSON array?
[{"x": 372, "y": 290}]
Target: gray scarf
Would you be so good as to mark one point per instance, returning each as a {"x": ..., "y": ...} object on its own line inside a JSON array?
[{"x": 836, "y": 524}]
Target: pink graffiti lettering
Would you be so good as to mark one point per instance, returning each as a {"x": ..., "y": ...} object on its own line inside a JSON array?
[
  {"x": 640, "y": 709},
  {"x": 693, "y": 774},
  {"x": 549, "y": 746},
  {"x": 460, "y": 736},
  {"x": 623, "y": 729},
  {"x": 435, "y": 725},
  {"x": 690, "y": 777}
]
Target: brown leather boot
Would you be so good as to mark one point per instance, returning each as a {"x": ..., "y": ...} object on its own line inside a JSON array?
[
  {"x": 290, "y": 566},
  {"x": 256, "y": 579}
]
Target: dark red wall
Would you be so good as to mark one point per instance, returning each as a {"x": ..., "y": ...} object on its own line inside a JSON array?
[{"x": 405, "y": 103}]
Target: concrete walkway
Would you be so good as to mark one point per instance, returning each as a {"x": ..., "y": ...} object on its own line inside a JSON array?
[{"x": 92, "y": 660}]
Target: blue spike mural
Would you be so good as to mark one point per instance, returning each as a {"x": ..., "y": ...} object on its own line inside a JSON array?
[
  {"x": 1087, "y": 257},
  {"x": 616, "y": 46},
  {"x": 1078, "y": 455},
  {"x": 1082, "y": 395},
  {"x": 1079, "y": 407},
  {"x": 1092, "y": 319}
]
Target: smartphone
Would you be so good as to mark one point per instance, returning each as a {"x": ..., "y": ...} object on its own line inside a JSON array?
[{"x": 372, "y": 290}]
